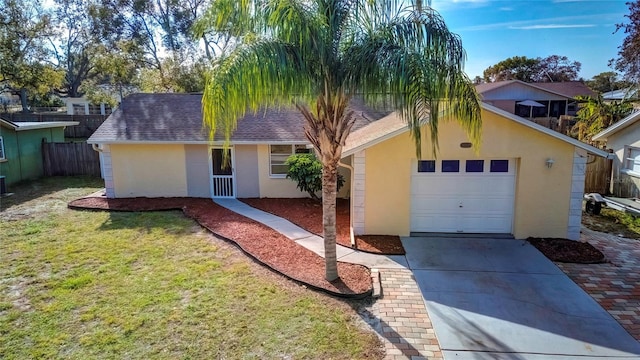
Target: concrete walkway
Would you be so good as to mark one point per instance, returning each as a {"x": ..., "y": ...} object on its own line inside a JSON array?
[{"x": 311, "y": 241}]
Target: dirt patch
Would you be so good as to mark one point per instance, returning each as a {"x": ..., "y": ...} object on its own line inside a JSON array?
[
  {"x": 261, "y": 242},
  {"x": 307, "y": 213},
  {"x": 568, "y": 251},
  {"x": 609, "y": 221}
]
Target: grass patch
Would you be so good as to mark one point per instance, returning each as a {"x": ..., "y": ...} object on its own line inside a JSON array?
[
  {"x": 614, "y": 222},
  {"x": 82, "y": 285}
]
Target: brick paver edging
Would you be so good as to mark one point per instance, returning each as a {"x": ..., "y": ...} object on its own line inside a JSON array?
[
  {"x": 404, "y": 323},
  {"x": 614, "y": 285}
]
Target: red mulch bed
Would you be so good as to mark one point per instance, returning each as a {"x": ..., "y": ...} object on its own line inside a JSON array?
[
  {"x": 568, "y": 251},
  {"x": 259, "y": 241},
  {"x": 307, "y": 213}
]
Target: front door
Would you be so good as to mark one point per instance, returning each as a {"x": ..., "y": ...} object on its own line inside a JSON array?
[{"x": 222, "y": 182}]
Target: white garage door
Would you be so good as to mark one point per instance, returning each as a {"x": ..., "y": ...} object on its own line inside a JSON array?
[{"x": 463, "y": 196}]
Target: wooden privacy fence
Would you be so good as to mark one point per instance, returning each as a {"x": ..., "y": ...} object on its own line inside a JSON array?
[
  {"x": 65, "y": 159},
  {"x": 597, "y": 175}
]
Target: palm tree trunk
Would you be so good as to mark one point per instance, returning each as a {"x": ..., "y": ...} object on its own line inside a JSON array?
[
  {"x": 328, "y": 131},
  {"x": 329, "y": 194}
]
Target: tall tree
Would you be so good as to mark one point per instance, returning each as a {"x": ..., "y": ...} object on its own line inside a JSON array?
[
  {"x": 24, "y": 27},
  {"x": 553, "y": 68},
  {"x": 93, "y": 36},
  {"x": 606, "y": 81},
  {"x": 514, "y": 68},
  {"x": 556, "y": 68},
  {"x": 628, "y": 61},
  {"x": 75, "y": 45},
  {"x": 320, "y": 54}
]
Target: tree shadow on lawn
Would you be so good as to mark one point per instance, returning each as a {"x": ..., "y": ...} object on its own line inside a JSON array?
[
  {"x": 263, "y": 244},
  {"x": 29, "y": 190},
  {"x": 170, "y": 220}
]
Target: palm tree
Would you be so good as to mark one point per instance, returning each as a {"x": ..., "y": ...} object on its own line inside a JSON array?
[{"x": 319, "y": 54}]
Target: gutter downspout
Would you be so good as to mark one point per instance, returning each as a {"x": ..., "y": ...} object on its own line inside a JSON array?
[
  {"x": 351, "y": 235},
  {"x": 100, "y": 151}
]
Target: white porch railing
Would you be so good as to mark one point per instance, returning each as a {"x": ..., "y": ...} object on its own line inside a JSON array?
[{"x": 223, "y": 186}]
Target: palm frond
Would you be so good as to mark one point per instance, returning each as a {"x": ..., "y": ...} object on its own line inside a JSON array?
[
  {"x": 417, "y": 63},
  {"x": 264, "y": 73}
]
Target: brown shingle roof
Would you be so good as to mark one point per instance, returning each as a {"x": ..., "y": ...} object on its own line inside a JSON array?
[
  {"x": 178, "y": 118},
  {"x": 374, "y": 133},
  {"x": 567, "y": 88},
  {"x": 484, "y": 87}
]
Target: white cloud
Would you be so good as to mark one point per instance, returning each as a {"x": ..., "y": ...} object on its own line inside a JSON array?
[
  {"x": 551, "y": 26},
  {"x": 581, "y": 20},
  {"x": 444, "y": 5}
]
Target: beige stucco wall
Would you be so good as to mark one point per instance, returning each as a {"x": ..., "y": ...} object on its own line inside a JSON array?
[
  {"x": 198, "y": 170},
  {"x": 274, "y": 187},
  {"x": 281, "y": 187},
  {"x": 246, "y": 171},
  {"x": 542, "y": 194},
  {"x": 149, "y": 170}
]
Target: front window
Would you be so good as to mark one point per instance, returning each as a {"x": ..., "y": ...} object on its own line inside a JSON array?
[
  {"x": 632, "y": 159},
  {"x": 278, "y": 154}
]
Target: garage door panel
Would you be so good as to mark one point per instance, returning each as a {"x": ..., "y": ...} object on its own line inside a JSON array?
[
  {"x": 499, "y": 204},
  {"x": 434, "y": 205},
  {"x": 486, "y": 224},
  {"x": 463, "y": 202},
  {"x": 444, "y": 222},
  {"x": 426, "y": 185}
]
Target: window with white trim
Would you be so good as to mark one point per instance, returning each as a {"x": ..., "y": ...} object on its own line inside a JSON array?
[
  {"x": 632, "y": 159},
  {"x": 278, "y": 154},
  {"x": 2, "y": 155}
]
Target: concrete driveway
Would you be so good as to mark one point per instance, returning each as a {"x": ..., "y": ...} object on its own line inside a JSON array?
[{"x": 502, "y": 299}]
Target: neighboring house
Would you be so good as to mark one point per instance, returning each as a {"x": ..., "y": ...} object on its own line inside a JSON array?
[
  {"x": 553, "y": 99},
  {"x": 623, "y": 138},
  {"x": 621, "y": 94},
  {"x": 21, "y": 147},
  {"x": 524, "y": 180},
  {"x": 83, "y": 106}
]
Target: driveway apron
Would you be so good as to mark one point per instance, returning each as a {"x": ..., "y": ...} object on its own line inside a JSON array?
[{"x": 502, "y": 299}]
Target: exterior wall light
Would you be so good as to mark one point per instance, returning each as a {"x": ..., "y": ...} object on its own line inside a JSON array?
[{"x": 549, "y": 162}]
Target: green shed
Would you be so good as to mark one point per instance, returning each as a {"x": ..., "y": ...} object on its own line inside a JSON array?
[{"x": 21, "y": 147}]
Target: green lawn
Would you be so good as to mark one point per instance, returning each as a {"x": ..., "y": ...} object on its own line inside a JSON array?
[{"x": 84, "y": 285}]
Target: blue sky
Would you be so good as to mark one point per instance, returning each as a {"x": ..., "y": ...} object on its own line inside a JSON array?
[{"x": 493, "y": 30}]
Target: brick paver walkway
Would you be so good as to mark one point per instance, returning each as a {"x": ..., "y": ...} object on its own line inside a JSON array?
[
  {"x": 404, "y": 323},
  {"x": 615, "y": 285}
]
